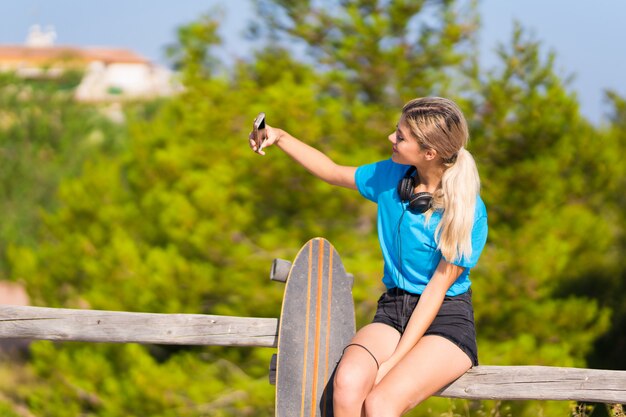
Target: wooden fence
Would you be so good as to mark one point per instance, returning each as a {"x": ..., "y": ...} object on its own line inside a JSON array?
[{"x": 481, "y": 382}]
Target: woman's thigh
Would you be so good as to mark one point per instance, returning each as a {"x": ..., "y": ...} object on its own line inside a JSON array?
[
  {"x": 371, "y": 346},
  {"x": 380, "y": 339},
  {"x": 432, "y": 364}
]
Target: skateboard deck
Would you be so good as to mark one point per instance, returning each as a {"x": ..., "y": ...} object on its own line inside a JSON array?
[{"x": 316, "y": 323}]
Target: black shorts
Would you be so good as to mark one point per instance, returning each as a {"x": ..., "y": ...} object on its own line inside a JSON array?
[{"x": 455, "y": 320}]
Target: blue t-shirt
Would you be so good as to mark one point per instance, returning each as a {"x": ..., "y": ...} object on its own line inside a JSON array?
[{"x": 407, "y": 241}]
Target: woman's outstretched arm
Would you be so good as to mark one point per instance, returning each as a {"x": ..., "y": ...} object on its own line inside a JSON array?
[{"x": 314, "y": 161}]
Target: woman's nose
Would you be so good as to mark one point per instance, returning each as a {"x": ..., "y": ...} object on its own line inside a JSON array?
[{"x": 392, "y": 138}]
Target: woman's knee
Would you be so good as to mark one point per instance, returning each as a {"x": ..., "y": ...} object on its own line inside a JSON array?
[
  {"x": 379, "y": 404},
  {"x": 352, "y": 381},
  {"x": 349, "y": 377}
]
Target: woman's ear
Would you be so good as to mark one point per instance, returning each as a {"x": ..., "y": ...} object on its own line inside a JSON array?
[{"x": 430, "y": 154}]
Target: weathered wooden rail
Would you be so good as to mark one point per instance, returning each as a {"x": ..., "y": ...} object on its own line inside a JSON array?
[
  {"x": 481, "y": 382},
  {"x": 124, "y": 327}
]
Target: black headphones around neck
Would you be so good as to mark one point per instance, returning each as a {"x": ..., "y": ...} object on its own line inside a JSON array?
[{"x": 418, "y": 202}]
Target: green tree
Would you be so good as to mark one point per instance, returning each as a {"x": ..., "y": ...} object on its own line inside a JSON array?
[
  {"x": 547, "y": 225},
  {"x": 156, "y": 228},
  {"x": 605, "y": 282},
  {"x": 45, "y": 135},
  {"x": 383, "y": 53},
  {"x": 610, "y": 348}
]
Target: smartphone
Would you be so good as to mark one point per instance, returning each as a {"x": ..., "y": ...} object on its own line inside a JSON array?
[{"x": 258, "y": 131}]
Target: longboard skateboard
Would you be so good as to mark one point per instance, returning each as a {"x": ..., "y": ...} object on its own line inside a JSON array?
[{"x": 316, "y": 323}]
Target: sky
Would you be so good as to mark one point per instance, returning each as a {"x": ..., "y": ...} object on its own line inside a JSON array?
[{"x": 587, "y": 37}]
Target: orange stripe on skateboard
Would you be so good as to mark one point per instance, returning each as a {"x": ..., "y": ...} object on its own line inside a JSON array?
[
  {"x": 318, "y": 322},
  {"x": 306, "y": 328},
  {"x": 328, "y": 324}
]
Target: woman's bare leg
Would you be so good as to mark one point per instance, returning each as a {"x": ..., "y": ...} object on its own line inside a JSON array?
[
  {"x": 432, "y": 364},
  {"x": 357, "y": 369}
]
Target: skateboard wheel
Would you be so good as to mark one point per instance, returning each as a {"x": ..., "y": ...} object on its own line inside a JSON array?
[
  {"x": 280, "y": 270},
  {"x": 272, "y": 374}
]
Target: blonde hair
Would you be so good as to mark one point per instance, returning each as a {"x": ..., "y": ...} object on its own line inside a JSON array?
[{"x": 438, "y": 124}]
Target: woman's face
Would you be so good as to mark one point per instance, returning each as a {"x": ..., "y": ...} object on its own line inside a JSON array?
[{"x": 406, "y": 150}]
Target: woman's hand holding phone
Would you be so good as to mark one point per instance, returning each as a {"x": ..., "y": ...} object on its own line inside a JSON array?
[{"x": 262, "y": 135}]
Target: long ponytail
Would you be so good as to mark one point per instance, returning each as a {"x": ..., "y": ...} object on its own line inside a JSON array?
[{"x": 460, "y": 186}]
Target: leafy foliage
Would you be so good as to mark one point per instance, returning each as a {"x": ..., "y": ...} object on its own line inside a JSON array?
[
  {"x": 542, "y": 212},
  {"x": 45, "y": 136},
  {"x": 377, "y": 52}
]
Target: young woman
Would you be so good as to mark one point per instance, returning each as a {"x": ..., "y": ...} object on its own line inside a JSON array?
[{"x": 432, "y": 227}]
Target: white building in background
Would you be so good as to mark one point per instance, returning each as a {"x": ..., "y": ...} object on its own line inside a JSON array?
[
  {"x": 110, "y": 74},
  {"x": 116, "y": 78},
  {"x": 41, "y": 39}
]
